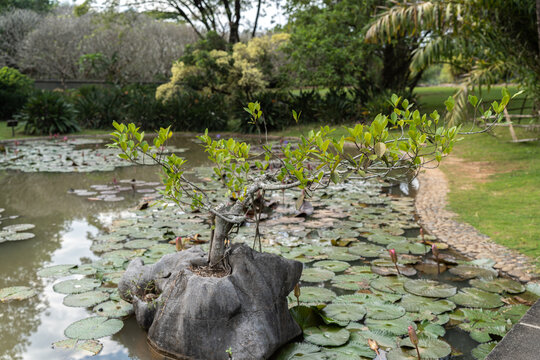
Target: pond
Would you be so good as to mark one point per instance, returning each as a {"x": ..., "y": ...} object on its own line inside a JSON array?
[{"x": 74, "y": 211}]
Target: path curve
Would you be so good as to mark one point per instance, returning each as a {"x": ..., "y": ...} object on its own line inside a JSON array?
[{"x": 437, "y": 220}]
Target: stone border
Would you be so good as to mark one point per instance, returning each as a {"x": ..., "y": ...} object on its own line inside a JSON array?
[{"x": 431, "y": 209}]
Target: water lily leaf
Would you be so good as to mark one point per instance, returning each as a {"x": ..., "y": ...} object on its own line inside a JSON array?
[
  {"x": 384, "y": 339},
  {"x": 114, "y": 309},
  {"x": 481, "y": 351},
  {"x": 366, "y": 250},
  {"x": 316, "y": 275},
  {"x": 476, "y": 298},
  {"x": 342, "y": 314},
  {"x": 306, "y": 316},
  {"x": 399, "y": 354},
  {"x": 388, "y": 269},
  {"x": 429, "y": 288},
  {"x": 470, "y": 271},
  {"x": 65, "y": 344},
  {"x": 480, "y": 336},
  {"x": 303, "y": 350},
  {"x": 56, "y": 271},
  {"x": 19, "y": 236},
  {"x": 429, "y": 348},
  {"x": 354, "y": 350},
  {"x": 16, "y": 293},
  {"x": 341, "y": 254},
  {"x": 326, "y": 335},
  {"x": 19, "y": 227},
  {"x": 498, "y": 285},
  {"x": 406, "y": 247},
  {"x": 94, "y": 347},
  {"x": 395, "y": 327},
  {"x": 513, "y": 312},
  {"x": 431, "y": 330},
  {"x": 335, "y": 266},
  {"x": 86, "y": 299},
  {"x": 93, "y": 328},
  {"x": 105, "y": 247},
  {"x": 311, "y": 294},
  {"x": 76, "y": 286},
  {"x": 413, "y": 303},
  {"x": 139, "y": 244},
  {"x": 366, "y": 299},
  {"x": 360, "y": 270},
  {"x": 86, "y": 269},
  {"x": 381, "y": 311},
  {"x": 385, "y": 239},
  {"x": 390, "y": 284},
  {"x": 351, "y": 282}
]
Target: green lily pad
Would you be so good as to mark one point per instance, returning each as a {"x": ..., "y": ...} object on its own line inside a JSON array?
[
  {"x": 335, "y": 266},
  {"x": 94, "y": 347},
  {"x": 354, "y": 350},
  {"x": 19, "y": 227},
  {"x": 406, "y": 247},
  {"x": 360, "y": 270},
  {"x": 382, "y": 311},
  {"x": 366, "y": 299},
  {"x": 470, "y": 271},
  {"x": 513, "y": 312},
  {"x": 383, "y": 339},
  {"x": 431, "y": 330},
  {"x": 342, "y": 314},
  {"x": 316, "y": 275},
  {"x": 476, "y": 298},
  {"x": 76, "y": 286},
  {"x": 429, "y": 288},
  {"x": 385, "y": 239},
  {"x": 341, "y": 254},
  {"x": 16, "y": 293},
  {"x": 306, "y": 316},
  {"x": 312, "y": 294},
  {"x": 105, "y": 247},
  {"x": 428, "y": 348},
  {"x": 351, "y": 282},
  {"x": 19, "y": 236},
  {"x": 326, "y": 335},
  {"x": 56, "y": 271},
  {"x": 86, "y": 269},
  {"x": 390, "y": 284},
  {"x": 93, "y": 328},
  {"x": 413, "y": 303},
  {"x": 139, "y": 244},
  {"x": 366, "y": 250},
  {"x": 481, "y": 351},
  {"x": 114, "y": 309},
  {"x": 86, "y": 299},
  {"x": 295, "y": 351},
  {"x": 498, "y": 285},
  {"x": 395, "y": 327}
]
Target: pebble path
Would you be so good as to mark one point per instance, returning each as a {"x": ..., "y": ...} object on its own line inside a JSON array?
[{"x": 437, "y": 220}]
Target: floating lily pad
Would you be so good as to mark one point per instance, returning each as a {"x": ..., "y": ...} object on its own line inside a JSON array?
[
  {"x": 481, "y": 351},
  {"x": 385, "y": 239},
  {"x": 395, "y": 327},
  {"x": 429, "y": 288},
  {"x": 19, "y": 227},
  {"x": 341, "y": 254},
  {"x": 342, "y": 314},
  {"x": 354, "y": 350},
  {"x": 86, "y": 269},
  {"x": 335, "y": 266},
  {"x": 513, "y": 312},
  {"x": 326, "y": 335},
  {"x": 470, "y": 271},
  {"x": 311, "y": 294},
  {"x": 19, "y": 236},
  {"x": 366, "y": 249},
  {"x": 382, "y": 311},
  {"x": 93, "y": 328},
  {"x": 498, "y": 285},
  {"x": 16, "y": 293},
  {"x": 365, "y": 299},
  {"x": 86, "y": 299},
  {"x": 428, "y": 348},
  {"x": 107, "y": 246},
  {"x": 92, "y": 346},
  {"x": 316, "y": 275},
  {"x": 114, "y": 309},
  {"x": 56, "y": 271},
  {"x": 390, "y": 284},
  {"x": 413, "y": 303},
  {"x": 303, "y": 350},
  {"x": 383, "y": 339},
  {"x": 476, "y": 298},
  {"x": 390, "y": 269},
  {"x": 139, "y": 244},
  {"x": 406, "y": 247},
  {"x": 306, "y": 316},
  {"x": 76, "y": 286}
]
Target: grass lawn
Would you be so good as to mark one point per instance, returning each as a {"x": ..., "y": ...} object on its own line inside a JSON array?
[
  {"x": 5, "y": 132},
  {"x": 497, "y": 188}
]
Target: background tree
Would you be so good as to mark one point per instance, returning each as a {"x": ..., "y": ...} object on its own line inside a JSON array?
[
  {"x": 34, "y": 5},
  {"x": 15, "y": 25}
]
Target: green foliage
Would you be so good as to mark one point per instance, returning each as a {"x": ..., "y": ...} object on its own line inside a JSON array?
[
  {"x": 98, "y": 106},
  {"x": 35, "y": 5},
  {"x": 15, "y": 88},
  {"x": 48, "y": 113}
]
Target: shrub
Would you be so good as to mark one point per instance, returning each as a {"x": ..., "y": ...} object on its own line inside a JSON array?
[
  {"x": 48, "y": 113},
  {"x": 15, "y": 88},
  {"x": 98, "y": 106},
  {"x": 277, "y": 112}
]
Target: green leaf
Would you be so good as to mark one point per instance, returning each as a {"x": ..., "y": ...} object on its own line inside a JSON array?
[
  {"x": 449, "y": 103},
  {"x": 380, "y": 149},
  {"x": 93, "y": 328}
]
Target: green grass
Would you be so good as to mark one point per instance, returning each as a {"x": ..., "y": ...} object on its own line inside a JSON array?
[
  {"x": 5, "y": 132},
  {"x": 505, "y": 204}
]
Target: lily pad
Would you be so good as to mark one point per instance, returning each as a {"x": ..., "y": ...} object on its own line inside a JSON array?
[
  {"x": 94, "y": 347},
  {"x": 470, "y": 271},
  {"x": 312, "y": 294},
  {"x": 428, "y": 348},
  {"x": 114, "y": 309},
  {"x": 335, "y": 266},
  {"x": 382, "y": 311},
  {"x": 498, "y": 285},
  {"x": 139, "y": 244},
  {"x": 16, "y": 293},
  {"x": 342, "y": 314},
  {"x": 429, "y": 288},
  {"x": 294, "y": 351},
  {"x": 395, "y": 327},
  {"x": 76, "y": 286},
  {"x": 316, "y": 275},
  {"x": 19, "y": 236},
  {"x": 513, "y": 312},
  {"x": 413, "y": 303},
  {"x": 481, "y": 351},
  {"x": 354, "y": 350},
  {"x": 405, "y": 247},
  {"x": 19, "y": 227},
  {"x": 365, "y": 299},
  {"x": 56, "y": 271},
  {"x": 366, "y": 250},
  {"x": 476, "y": 298},
  {"x": 390, "y": 284},
  {"x": 93, "y": 328},
  {"x": 306, "y": 316},
  {"x": 86, "y": 299},
  {"x": 86, "y": 269},
  {"x": 326, "y": 335}
]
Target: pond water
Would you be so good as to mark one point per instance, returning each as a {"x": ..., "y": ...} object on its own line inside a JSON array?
[{"x": 65, "y": 226}]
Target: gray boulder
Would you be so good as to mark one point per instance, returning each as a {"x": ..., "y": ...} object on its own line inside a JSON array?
[{"x": 194, "y": 317}]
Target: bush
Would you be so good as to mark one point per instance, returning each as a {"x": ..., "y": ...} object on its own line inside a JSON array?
[
  {"x": 98, "y": 106},
  {"x": 48, "y": 113},
  {"x": 277, "y": 112},
  {"x": 15, "y": 88}
]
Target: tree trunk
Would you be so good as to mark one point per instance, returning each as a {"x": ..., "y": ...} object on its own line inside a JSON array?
[{"x": 217, "y": 249}]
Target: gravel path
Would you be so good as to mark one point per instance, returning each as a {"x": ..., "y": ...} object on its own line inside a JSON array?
[{"x": 437, "y": 220}]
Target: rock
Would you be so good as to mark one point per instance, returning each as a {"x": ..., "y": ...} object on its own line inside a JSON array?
[{"x": 197, "y": 317}]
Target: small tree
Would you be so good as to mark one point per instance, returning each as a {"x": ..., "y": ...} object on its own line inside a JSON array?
[{"x": 396, "y": 145}]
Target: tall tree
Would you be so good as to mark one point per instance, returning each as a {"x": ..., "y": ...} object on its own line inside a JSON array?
[{"x": 35, "y": 5}]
